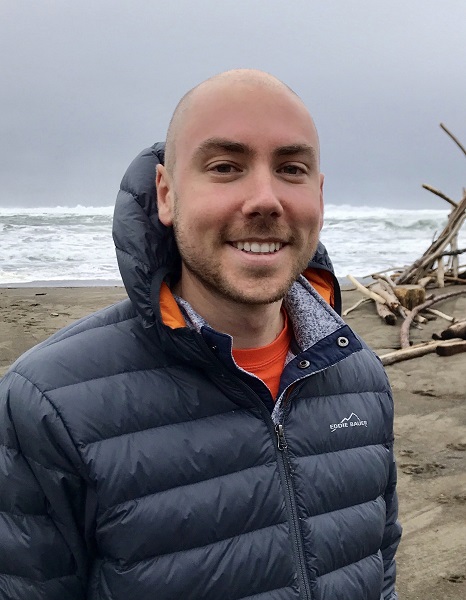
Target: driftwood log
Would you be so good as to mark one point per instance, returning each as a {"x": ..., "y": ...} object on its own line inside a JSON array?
[
  {"x": 460, "y": 279},
  {"x": 387, "y": 294},
  {"x": 457, "y": 142},
  {"x": 425, "y": 280},
  {"x": 439, "y": 194},
  {"x": 453, "y": 347},
  {"x": 442, "y": 315},
  {"x": 457, "y": 330},
  {"x": 385, "y": 313},
  {"x": 418, "y": 350},
  {"x": 366, "y": 291}
]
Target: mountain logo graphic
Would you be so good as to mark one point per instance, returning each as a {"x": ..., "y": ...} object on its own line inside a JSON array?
[{"x": 352, "y": 421}]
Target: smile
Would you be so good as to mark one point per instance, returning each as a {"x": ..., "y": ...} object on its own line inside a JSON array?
[{"x": 258, "y": 247}]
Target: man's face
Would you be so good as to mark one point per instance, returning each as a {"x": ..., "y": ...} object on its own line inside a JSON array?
[{"x": 245, "y": 198}]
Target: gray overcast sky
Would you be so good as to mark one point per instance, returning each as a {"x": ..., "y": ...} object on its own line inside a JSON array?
[{"x": 86, "y": 85}]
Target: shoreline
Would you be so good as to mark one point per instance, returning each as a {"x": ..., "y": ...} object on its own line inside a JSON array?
[
  {"x": 62, "y": 283},
  {"x": 91, "y": 283},
  {"x": 430, "y": 421}
]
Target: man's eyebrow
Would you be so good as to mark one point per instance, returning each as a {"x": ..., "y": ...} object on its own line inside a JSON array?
[
  {"x": 213, "y": 145},
  {"x": 293, "y": 149}
]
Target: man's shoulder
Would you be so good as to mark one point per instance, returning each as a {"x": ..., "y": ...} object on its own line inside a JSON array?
[{"x": 92, "y": 347}]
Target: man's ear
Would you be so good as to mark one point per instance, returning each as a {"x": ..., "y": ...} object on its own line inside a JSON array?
[
  {"x": 322, "y": 177},
  {"x": 164, "y": 196}
]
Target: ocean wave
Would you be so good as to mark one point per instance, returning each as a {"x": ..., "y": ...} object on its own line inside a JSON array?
[{"x": 75, "y": 243}]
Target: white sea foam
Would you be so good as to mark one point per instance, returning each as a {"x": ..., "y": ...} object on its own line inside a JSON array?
[
  {"x": 363, "y": 240},
  {"x": 63, "y": 244},
  {"x": 57, "y": 244}
]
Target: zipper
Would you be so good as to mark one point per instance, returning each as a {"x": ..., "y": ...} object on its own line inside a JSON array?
[
  {"x": 281, "y": 441},
  {"x": 287, "y": 392},
  {"x": 290, "y": 501},
  {"x": 285, "y": 476}
]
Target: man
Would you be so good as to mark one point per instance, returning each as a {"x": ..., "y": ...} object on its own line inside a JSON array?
[{"x": 222, "y": 434}]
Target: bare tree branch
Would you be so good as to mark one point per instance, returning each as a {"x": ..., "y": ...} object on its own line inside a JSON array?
[
  {"x": 453, "y": 138},
  {"x": 439, "y": 193}
]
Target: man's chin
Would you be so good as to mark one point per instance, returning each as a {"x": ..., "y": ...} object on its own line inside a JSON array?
[
  {"x": 243, "y": 289},
  {"x": 255, "y": 295}
]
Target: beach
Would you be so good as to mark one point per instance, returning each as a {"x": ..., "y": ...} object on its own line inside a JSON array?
[{"x": 430, "y": 424}]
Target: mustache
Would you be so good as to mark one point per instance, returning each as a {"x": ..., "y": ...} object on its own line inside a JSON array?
[{"x": 260, "y": 229}]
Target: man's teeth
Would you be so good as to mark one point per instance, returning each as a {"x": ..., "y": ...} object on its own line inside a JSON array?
[{"x": 259, "y": 248}]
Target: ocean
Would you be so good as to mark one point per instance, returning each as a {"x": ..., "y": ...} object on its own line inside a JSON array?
[{"x": 74, "y": 246}]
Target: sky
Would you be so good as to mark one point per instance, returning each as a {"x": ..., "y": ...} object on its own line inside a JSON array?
[{"x": 85, "y": 86}]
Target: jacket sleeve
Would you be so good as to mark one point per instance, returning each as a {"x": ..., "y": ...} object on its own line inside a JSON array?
[
  {"x": 42, "y": 548},
  {"x": 392, "y": 534}
]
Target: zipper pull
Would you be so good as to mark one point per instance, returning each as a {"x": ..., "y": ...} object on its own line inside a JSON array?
[{"x": 281, "y": 444}]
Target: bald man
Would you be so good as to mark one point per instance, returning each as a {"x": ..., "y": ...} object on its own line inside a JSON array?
[{"x": 222, "y": 434}]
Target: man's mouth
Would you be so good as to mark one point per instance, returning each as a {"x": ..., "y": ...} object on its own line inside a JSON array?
[{"x": 258, "y": 247}]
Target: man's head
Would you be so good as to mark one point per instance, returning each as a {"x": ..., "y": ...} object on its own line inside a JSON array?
[{"x": 242, "y": 187}]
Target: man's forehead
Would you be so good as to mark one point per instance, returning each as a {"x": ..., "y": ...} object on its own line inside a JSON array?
[{"x": 222, "y": 101}]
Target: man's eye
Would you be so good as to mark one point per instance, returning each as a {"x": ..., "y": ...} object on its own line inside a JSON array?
[
  {"x": 292, "y": 170},
  {"x": 223, "y": 168}
]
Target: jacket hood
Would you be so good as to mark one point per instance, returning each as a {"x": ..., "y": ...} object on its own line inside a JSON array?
[{"x": 146, "y": 250}]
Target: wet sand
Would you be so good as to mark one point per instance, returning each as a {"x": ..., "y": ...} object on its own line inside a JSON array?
[{"x": 430, "y": 425}]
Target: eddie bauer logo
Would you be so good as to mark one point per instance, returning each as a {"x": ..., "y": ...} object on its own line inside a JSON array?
[{"x": 352, "y": 421}]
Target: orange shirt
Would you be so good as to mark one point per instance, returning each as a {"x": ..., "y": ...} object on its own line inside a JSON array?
[{"x": 267, "y": 362}]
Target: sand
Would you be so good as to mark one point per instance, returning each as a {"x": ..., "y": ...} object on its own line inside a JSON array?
[{"x": 430, "y": 425}]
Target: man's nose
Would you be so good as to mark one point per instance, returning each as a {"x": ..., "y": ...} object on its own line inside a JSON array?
[{"x": 263, "y": 197}]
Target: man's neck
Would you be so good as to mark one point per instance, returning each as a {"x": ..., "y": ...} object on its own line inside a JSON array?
[{"x": 251, "y": 326}]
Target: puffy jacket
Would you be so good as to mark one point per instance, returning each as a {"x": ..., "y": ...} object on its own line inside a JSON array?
[{"x": 137, "y": 461}]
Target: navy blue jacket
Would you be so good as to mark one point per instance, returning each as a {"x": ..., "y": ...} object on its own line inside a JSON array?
[{"x": 138, "y": 461}]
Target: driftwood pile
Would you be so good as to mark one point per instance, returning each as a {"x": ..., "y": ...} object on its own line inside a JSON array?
[
  {"x": 441, "y": 259},
  {"x": 404, "y": 293}
]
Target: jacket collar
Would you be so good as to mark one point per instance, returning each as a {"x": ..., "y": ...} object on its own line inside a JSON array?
[{"x": 311, "y": 317}]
